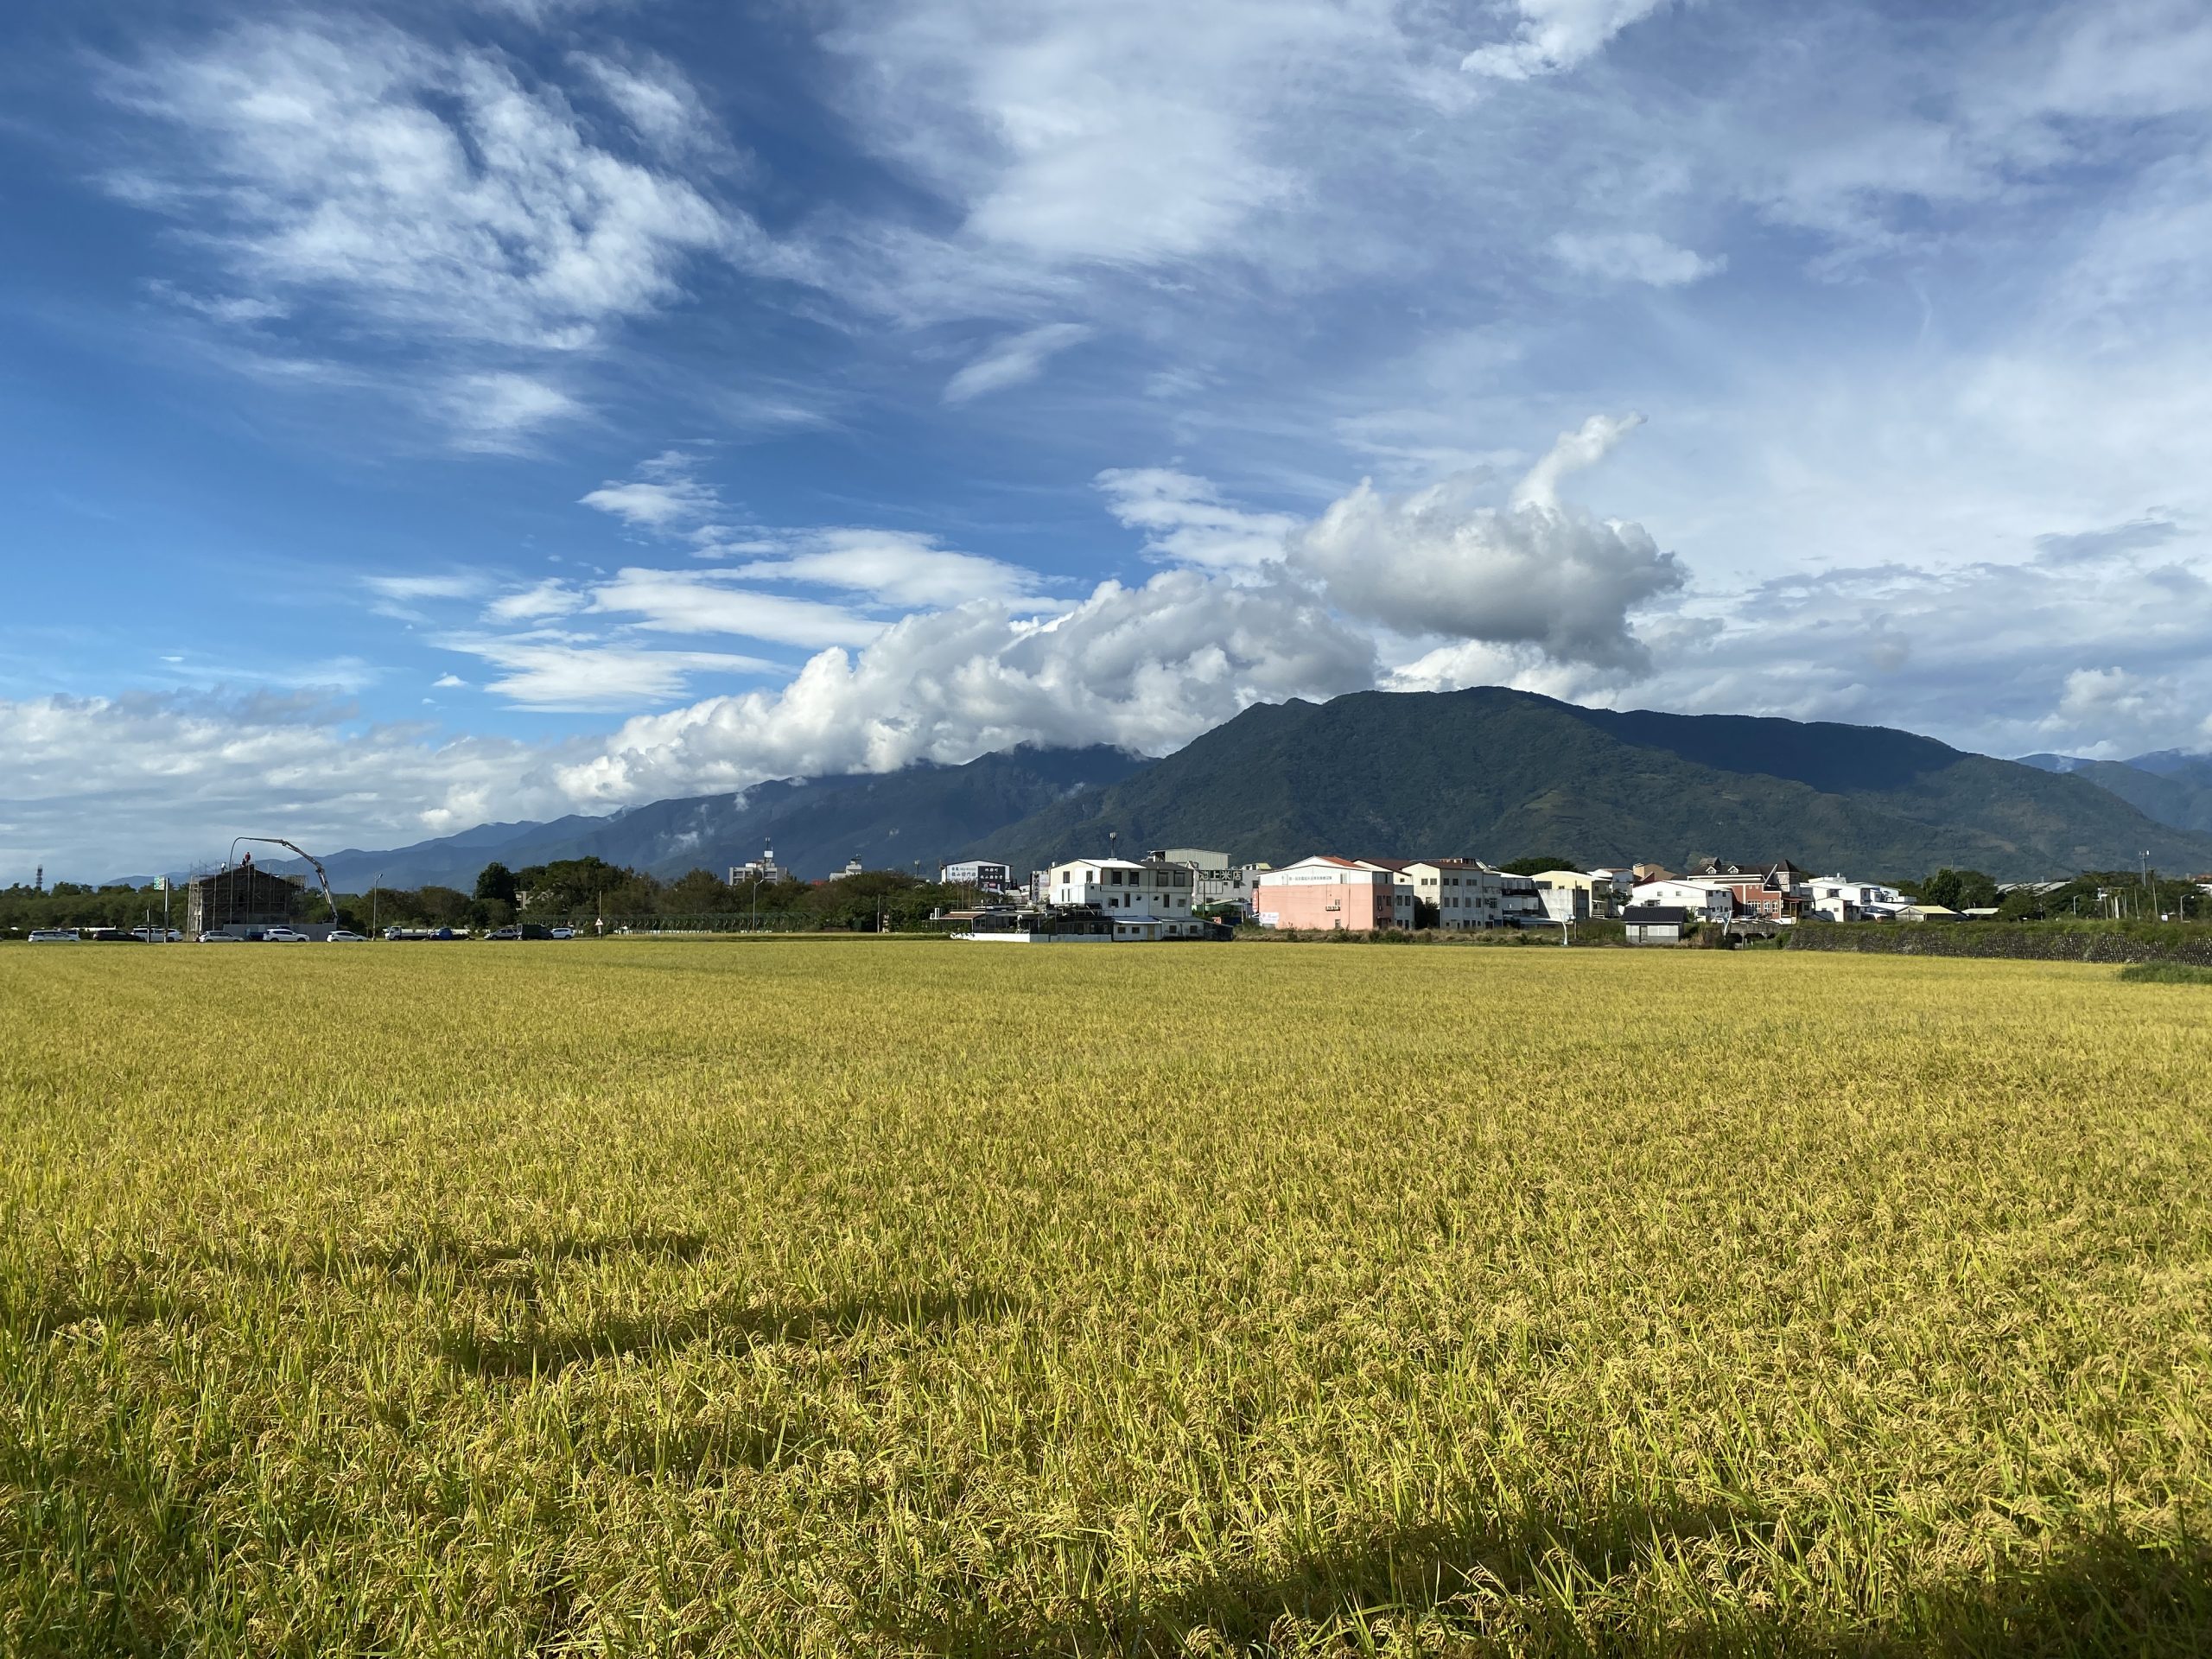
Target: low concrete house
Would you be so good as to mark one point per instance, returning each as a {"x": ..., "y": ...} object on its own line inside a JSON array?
[{"x": 1654, "y": 923}]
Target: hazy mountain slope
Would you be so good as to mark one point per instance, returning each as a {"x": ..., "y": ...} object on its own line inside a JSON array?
[
  {"x": 890, "y": 820},
  {"x": 2170, "y": 788},
  {"x": 1497, "y": 774}
]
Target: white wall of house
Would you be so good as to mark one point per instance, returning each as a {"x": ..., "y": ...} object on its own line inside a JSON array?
[
  {"x": 1709, "y": 899},
  {"x": 1153, "y": 890}
]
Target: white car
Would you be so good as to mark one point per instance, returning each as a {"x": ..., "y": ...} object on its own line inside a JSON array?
[
  {"x": 564, "y": 932},
  {"x": 342, "y": 935},
  {"x": 54, "y": 936},
  {"x": 282, "y": 936}
]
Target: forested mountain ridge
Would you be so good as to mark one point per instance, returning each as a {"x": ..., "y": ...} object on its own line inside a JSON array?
[{"x": 1490, "y": 772}]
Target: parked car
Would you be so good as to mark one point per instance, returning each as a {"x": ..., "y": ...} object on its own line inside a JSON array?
[
  {"x": 54, "y": 936},
  {"x": 282, "y": 936},
  {"x": 564, "y": 932},
  {"x": 156, "y": 935},
  {"x": 345, "y": 936},
  {"x": 521, "y": 930}
]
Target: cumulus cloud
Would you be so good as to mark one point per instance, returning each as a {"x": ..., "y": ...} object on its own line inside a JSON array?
[
  {"x": 1556, "y": 34},
  {"x": 1146, "y": 668},
  {"x": 1538, "y": 572},
  {"x": 2125, "y": 709},
  {"x": 82, "y": 772},
  {"x": 1011, "y": 361},
  {"x": 1633, "y": 257}
]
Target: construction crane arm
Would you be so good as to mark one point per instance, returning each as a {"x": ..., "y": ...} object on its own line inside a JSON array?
[{"x": 321, "y": 875}]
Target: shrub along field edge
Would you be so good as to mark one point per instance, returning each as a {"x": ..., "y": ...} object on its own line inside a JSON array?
[{"x": 2116, "y": 942}]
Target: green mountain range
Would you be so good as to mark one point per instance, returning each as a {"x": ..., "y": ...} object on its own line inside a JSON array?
[
  {"x": 1486, "y": 772},
  {"x": 1492, "y": 774}
]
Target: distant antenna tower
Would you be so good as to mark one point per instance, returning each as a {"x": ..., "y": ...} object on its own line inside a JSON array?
[{"x": 38, "y": 881}]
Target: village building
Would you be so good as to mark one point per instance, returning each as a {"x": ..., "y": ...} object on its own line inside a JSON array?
[
  {"x": 1464, "y": 894},
  {"x": 975, "y": 872},
  {"x": 1656, "y": 924},
  {"x": 1706, "y": 901},
  {"x": 1145, "y": 898},
  {"x": 1327, "y": 893},
  {"x": 237, "y": 901}
]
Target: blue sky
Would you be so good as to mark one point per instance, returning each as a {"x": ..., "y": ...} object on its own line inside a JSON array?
[{"x": 412, "y": 414}]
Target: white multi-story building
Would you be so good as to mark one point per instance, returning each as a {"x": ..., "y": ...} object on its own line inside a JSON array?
[
  {"x": 763, "y": 869},
  {"x": 1146, "y": 899},
  {"x": 1467, "y": 894}
]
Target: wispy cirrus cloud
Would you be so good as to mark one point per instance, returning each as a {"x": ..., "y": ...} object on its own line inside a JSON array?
[
  {"x": 1011, "y": 361},
  {"x": 430, "y": 191}
]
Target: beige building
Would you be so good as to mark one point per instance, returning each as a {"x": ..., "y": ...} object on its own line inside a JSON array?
[
  {"x": 1597, "y": 891},
  {"x": 1467, "y": 894}
]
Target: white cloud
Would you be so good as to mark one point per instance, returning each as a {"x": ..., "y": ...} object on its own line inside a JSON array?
[
  {"x": 1146, "y": 668},
  {"x": 1634, "y": 256},
  {"x": 81, "y": 771},
  {"x": 702, "y": 601},
  {"x": 1556, "y": 34},
  {"x": 535, "y": 603},
  {"x": 2119, "y": 706},
  {"x": 666, "y": 499},
  {"x": 571, "y": 675},
  {"x": 500, "y": 412},
  {"x": 402, "y": 598},
  {"x": 1011, "y": 361},
  {"x": 428, "y": 191},
  {"x": 661, "y": 105},
  {"x": 1186, "y": 522},
  {"x": 460, "y": 584},
  {"x": 448, "y": 683},
  {"x": 893, "y": 566},
  {"x": 1538, "y": 572}
]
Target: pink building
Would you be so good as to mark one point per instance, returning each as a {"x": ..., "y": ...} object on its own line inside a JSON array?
[{"x": 1332, "y": 892}]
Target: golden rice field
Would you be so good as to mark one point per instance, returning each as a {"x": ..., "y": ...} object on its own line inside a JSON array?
[{"x": 883, "y": 1296}]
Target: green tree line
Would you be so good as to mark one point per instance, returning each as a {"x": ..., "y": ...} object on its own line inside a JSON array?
[{"x": 573, "y": 892}]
